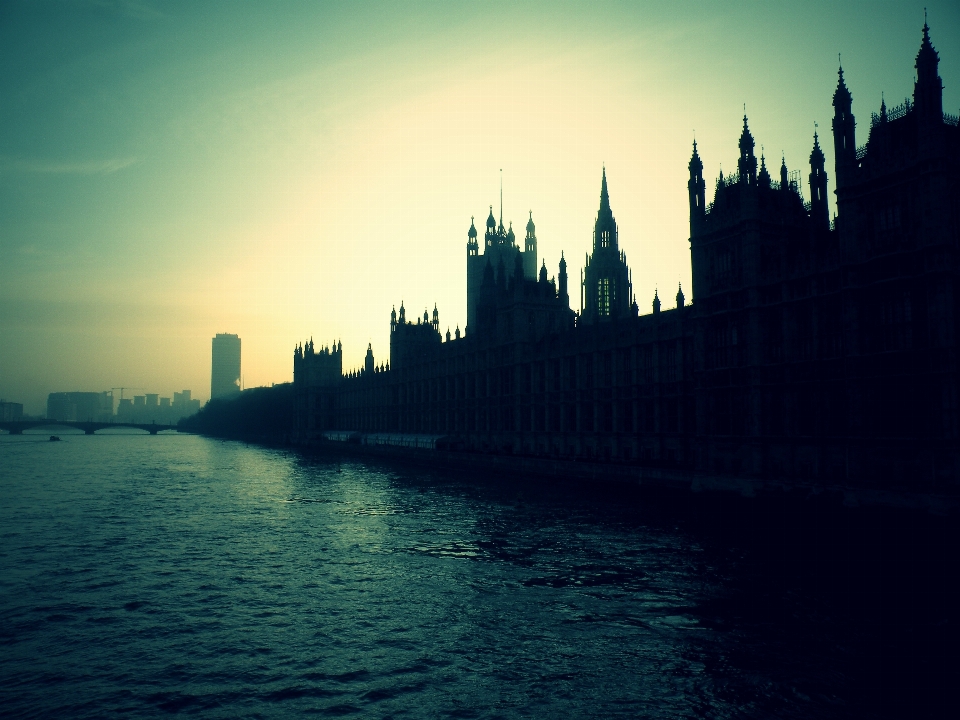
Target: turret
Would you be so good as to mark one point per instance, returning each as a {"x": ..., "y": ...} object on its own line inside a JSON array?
[
  {"x": 656, "y": 302},
  {"x": 680, "y": 298},
  {"x": 928, "y": 90},
  {"x": 696, "y": 189},
  {"x": 368, "y": 360},
  {"x": 393, "y": 319},
  {"x": 491, "y": 233},
  {"x": 784, "y": 176},
  {"x": 819, "y": 212},
  {"x": 436, "y": 319},
  {"x": 763, "y": 177},
  {"x": 530, "y": 241},
  {"x": 747, "y": 164},
  {"x": 844, "y": 133},
  {"x": 543, "y": 273},
  {"x": 562, "y": 279},
  {"x": 472, "y": 247},
  {"x": 403, "y": 314}
]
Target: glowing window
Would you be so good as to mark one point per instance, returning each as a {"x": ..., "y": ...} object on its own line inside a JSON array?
[{"x": 603, "y": 297}]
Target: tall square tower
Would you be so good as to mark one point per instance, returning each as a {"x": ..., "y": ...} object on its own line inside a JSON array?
[{"x": 225, "y": 373}]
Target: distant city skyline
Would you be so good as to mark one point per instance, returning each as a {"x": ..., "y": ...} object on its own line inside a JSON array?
[{"x": 170, "y": 170}]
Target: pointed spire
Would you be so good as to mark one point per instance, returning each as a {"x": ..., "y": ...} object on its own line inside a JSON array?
[
  {"x": 747, "y": 164},
  {"x": 472, "y": 232},
  {"x": 696, "y": 164},
  {"x": 928, "y": 91},
  {"x": 746, "y": 139},
  {"x": 763, "y": 176},
  {"x": 883, "y": 108},
  {"x": 816, "y": 155},
  {"x": 841, "y": 96},
  {"x": 656, "y": 302},
  {"x": 604, "y": 195},
  {"x": 927, "y": 56},
  {"x": 680, "y": 298}
]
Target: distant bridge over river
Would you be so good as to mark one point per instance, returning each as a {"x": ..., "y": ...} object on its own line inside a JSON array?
[{"x": 16, "y": 427}]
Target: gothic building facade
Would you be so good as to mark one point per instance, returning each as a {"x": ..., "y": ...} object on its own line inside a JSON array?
[
  {"x": 815, "y": 352},
  {"x": 500, "y": 255}
]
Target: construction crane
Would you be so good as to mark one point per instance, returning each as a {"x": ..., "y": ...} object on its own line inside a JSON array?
[{"x": 121, "y": 389}]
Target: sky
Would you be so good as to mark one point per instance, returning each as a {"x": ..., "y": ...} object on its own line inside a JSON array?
[{"x": 287, "y": 170}]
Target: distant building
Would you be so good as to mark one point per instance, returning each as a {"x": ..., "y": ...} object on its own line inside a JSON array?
[
  {"x": 225, "y": 373},
  {"x": 125, "y": 409},
  {"x": 183, "y": 405},
  {"x": 10, "y": 411},
  {"x": 80, "y": 406}
]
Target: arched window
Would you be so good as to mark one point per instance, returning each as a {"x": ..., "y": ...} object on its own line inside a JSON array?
[{"x": 603, "y": 297}]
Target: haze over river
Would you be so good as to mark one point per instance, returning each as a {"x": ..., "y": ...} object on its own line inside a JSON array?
[{"x": 142, "y": 576}]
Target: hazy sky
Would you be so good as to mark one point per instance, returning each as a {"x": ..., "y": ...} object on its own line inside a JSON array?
[{"x": 171, "y": 170}]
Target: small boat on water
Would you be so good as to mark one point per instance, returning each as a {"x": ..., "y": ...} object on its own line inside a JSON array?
[{"x": 54, "y": 438}]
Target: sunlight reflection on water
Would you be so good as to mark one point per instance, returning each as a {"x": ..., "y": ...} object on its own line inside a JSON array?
[{"x": 148, "y": 575}]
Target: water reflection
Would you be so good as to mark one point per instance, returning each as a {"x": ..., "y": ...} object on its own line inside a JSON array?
[{"x": 146, "y": 575}]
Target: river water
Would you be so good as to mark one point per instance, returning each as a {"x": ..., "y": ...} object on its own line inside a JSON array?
[{"x": 147, "y": 575}]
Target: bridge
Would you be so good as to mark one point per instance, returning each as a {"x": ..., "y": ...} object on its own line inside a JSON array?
[{"x": 16, "y": 427}]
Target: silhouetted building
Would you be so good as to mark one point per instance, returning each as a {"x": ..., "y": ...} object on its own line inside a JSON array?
[
  {"x": 501, "y": 255},
  {"x": 317, "y": 377},
  {"x": 183, "y": 406},
  {"x": 10, "y": 411},
  {"x": 80, "y": 406},
  {"x": 607, "y": 290},
  {"x": 815, "y": 352},
  {"x": 225, "y": 373}
]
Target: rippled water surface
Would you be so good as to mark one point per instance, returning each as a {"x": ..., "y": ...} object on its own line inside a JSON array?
[{"x": 143, "y": 576}]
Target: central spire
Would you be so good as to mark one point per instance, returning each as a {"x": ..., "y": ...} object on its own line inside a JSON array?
[
  {"x": 605, "y": 230},
  {"x": 604, "y": 195},
  {"x": 501, "y": 198}
]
